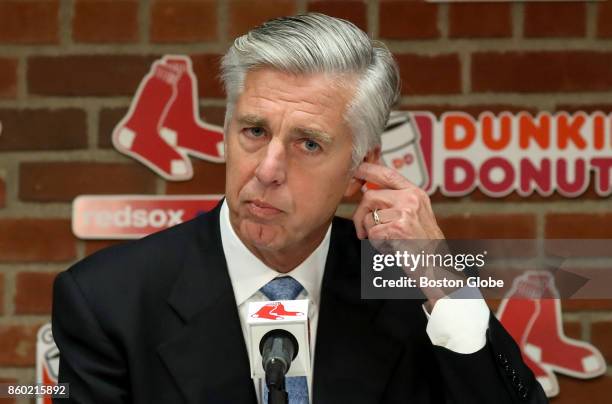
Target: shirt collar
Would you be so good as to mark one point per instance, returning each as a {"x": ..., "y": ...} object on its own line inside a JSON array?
[{"x": 248, "y": 274}]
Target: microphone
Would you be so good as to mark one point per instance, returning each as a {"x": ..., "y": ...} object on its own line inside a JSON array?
[
  {"x": 278, "y": 343},
  {"x": 278, "y": 348}
]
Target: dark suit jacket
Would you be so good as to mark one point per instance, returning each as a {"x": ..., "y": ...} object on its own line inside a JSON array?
[{"x": 155, "y": 321}]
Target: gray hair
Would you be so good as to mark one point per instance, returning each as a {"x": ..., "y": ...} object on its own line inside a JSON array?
[{"x": 317, "y": 43}]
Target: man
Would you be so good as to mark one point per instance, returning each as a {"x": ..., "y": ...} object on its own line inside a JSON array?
[{"x": 162, "y": 319}]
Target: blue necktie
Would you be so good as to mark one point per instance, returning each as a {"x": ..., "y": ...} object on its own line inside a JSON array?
[{"x": 287, "y": 288}]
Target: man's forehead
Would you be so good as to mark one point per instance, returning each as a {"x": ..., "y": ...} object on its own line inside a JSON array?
[{"x": 314, "y": 103}]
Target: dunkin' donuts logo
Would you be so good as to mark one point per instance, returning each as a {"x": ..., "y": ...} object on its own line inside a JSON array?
[{"x": 513, "y": 152}]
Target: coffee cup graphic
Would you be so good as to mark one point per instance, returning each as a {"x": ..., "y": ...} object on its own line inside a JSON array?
[{"x": 401, "y": 148}]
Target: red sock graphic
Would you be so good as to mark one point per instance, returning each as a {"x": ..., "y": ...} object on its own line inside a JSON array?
[
  {"x": 517, "y": 313},
  {"x": 137, "y": 135},
  {"x": 280, "y": 310},
  {"x": 267, "y": 311},
  {"x": 181, "y": 126},
  {"x": 546, "y": 343}
]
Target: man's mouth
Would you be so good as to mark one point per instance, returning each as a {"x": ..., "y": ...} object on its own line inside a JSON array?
[{"x": 262, "y": 209}]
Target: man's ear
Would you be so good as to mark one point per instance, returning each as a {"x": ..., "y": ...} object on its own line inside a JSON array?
[{"x": 373, "y": 156}]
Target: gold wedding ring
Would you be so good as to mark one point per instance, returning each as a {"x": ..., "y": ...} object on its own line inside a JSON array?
[{"x": 376, "y": 217}]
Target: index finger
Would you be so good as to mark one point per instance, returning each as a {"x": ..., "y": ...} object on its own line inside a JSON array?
[{"x": 382, "y": 175}]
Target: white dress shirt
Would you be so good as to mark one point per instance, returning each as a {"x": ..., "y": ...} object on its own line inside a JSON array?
[{"x": 457, "y": 324}]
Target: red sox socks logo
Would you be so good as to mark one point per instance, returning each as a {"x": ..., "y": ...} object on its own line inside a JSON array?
[
  {"x": 163, "y": 126},
  {"x": 531, "y": 312},
  {"x": 275, "y": 311}
]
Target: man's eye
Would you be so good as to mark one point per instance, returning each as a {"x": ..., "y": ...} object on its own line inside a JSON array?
[
  {"x": 311, "y": 145},
  {"x": 255, "y": 131}
]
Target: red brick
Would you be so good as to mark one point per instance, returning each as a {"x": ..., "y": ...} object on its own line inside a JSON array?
[
  {"x": 572, "y": 329},
  {"x": 353, "y": 11},
  {"x": 29, "y": 21},
  {"x": 1, "y": 294},
  {"x": 588, "y": 194},
  {"x": 480, "y": 20},
  {"x": 8, "y": 78},
  {"x": 437, "y": 197},
  {"x": 183, "y": 21},
  {"x": 105, "y": 21},
  {"x": 31, "y": 240},
  {"x": 601, "y": 337},
  {"x": 593, "y": 391},
  {"x": 400, "y": 19},
  {"x": 530, "y": 72},
  {"x": 555, "y": 19},
  {"x": 34, "y": 292},
  {"x": 2, "y": 193},
  {"x": 587, "y": 305},
  {"x": 588, "y": 108},
  {"x": 8, "y": 400},
  {"x": 108, "y": 119},
  {"x": 420, "y": 74},
  {"x": 578, "y": 225},
  {"x": 18, "y": 344},
  {"x": 213, "y": 115},
  {"x": 247, "y": 14},
  {"x": 501, "y": 226},
  {"x": 604, "y": 19},
  {"x": 493, "y": 304},
  {"x": 208, "y": 178},
  {"x": 206, "y": 69},
  {"x": 63, "y": 181},
  {"x": 93, "y": 246},
  {"x": 86, "y": 75},
  {"x": 473, "y": 110},
  {"x": 43, "y": 129}
]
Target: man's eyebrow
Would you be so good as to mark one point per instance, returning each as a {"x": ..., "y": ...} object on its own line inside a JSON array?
[
  {"x": 314, "y": 134},
  {"x": 252, "y": 120}
]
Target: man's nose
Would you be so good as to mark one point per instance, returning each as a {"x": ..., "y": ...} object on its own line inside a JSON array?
[{"x": 272, "y": 168}]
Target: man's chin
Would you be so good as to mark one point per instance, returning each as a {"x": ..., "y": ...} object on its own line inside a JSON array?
[{"x": 261, "y": 235}]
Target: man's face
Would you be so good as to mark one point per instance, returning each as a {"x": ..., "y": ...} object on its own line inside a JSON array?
[{"x": 288, "y": 154}]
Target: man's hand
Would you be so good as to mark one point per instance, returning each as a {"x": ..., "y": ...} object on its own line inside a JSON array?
[
  {"x": 405, "y": 213},
  {"x": 403, "y": 208}
]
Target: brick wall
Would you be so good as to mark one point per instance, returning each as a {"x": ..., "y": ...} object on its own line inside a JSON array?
[{"x": 69, "y": 67}]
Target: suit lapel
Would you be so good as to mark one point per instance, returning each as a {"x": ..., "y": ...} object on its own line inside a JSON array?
[
  {"x": 353, "y": 359},
  {"x": 207, "y": 357}
]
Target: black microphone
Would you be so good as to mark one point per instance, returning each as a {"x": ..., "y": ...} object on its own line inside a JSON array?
[{"x": 278, "y": 349}]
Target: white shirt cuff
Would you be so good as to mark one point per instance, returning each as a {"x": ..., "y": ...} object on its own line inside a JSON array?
[{"x": 459, "y": 322}]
